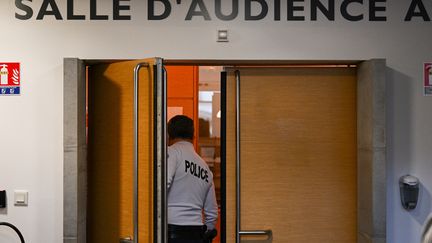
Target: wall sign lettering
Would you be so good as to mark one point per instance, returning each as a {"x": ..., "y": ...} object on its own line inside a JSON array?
[{"x": 254, "y": 10}]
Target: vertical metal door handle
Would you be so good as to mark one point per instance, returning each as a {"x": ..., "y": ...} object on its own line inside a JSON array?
[
  {"x": 135, "y": 166},
  {"x": 238, "y": 164},
  {"x": 240, "y": 232},
  {"x": 160, "y": 153}
]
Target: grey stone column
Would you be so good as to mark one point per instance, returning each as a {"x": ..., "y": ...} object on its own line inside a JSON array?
[
  {"x": 75, "y": 151},
  {"x": 371, "y": 142}
]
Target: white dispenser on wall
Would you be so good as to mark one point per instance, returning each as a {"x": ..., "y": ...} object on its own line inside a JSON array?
[{"x": 4, "y": 73}]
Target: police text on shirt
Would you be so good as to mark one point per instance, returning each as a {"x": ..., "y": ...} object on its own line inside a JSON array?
[{"x": 196, "y": 170}]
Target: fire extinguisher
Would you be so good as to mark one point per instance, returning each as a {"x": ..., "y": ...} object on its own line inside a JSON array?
[{"x": 4, "y": 75}]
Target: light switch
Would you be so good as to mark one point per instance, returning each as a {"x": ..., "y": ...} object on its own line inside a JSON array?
[{"x": 21, "y": 198}]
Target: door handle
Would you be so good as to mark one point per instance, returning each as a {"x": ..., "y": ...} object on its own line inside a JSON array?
[
  {"x": 238, "y": 158},
  {"x": 268, "y": 233},
  {"x": 126, "y": 240},
  {"x": 135, "y": 155}
]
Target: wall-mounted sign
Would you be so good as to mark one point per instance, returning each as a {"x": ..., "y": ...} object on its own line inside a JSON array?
[
  {"x": 427, "y": 78},
  {"x": 296, "y": 10},
  {"x": 10, "y": 78}
]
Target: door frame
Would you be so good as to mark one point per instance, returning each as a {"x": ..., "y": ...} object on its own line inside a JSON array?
[{"x": 371, "y": 141}]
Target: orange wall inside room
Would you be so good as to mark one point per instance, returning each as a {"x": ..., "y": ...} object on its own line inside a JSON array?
[{"x": 183, "y": 91}]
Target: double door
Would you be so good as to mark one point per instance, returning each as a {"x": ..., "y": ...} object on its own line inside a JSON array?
[{"x": 290, "y": 146}]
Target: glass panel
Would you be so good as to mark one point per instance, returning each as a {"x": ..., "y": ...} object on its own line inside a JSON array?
[{"x": 209, "y": 126}]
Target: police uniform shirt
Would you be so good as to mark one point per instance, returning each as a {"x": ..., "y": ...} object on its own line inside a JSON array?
[{"x": 190, "y": 188}]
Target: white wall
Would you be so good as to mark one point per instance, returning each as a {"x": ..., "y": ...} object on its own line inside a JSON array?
[{"x": 31, "y": 125}]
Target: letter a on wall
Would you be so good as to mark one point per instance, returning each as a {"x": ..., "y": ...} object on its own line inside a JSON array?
[{"x": 10, "y": 78}]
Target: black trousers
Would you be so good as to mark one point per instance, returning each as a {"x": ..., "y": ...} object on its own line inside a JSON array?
[{"x": 186, "y": 234}]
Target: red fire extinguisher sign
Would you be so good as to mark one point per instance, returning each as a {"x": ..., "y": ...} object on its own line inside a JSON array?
[{"x": 10, "y": 78}]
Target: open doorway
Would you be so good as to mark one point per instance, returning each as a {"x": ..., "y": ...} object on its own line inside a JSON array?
[{"x": 194, "y": 91}]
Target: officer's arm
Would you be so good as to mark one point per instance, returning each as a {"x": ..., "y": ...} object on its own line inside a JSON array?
[
  {"x": 172, "y": 166},
  {"x": 211, "y": 208}
]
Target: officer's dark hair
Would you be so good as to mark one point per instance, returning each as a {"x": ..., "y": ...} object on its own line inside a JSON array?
[{"x": 181, "y": 127}]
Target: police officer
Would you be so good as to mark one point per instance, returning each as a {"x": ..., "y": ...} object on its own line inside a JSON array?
[{"x": 191, "y": 189}]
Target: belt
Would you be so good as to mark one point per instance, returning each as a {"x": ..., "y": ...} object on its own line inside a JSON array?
[{"x": 186, "y": 232}]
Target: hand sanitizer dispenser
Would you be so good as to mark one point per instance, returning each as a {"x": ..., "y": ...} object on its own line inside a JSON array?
[{"x": 409, "y": 191}]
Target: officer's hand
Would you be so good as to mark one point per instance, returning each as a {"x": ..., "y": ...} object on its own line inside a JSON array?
[{"x": 210, "y": 234}]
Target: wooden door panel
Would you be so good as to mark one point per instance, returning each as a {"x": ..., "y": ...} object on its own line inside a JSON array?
[
  {"x": 110, "y": 155},
  {"x": 298, "y": 149}
]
